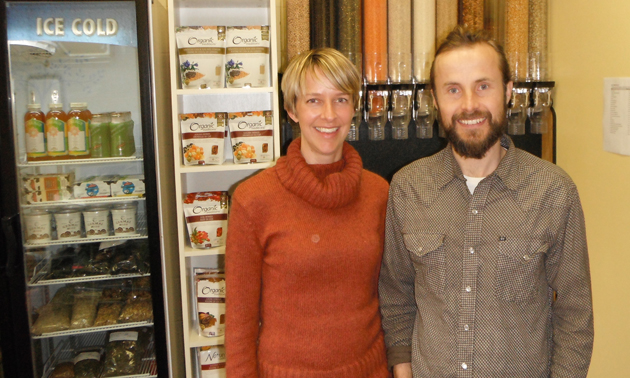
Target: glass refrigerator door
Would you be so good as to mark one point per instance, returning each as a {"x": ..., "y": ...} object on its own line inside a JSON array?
[{"x": 79, "y": 116}]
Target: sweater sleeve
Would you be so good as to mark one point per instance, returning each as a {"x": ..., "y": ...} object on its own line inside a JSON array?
[{"x": 243, "y": 268}]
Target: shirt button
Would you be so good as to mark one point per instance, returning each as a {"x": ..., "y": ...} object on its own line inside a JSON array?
[
  {"x": 466, "y": 328},
  {"x": 475, "y": 211},
  {"x": 464, "y": 366},
  {"x": 471, "y": 249},
  {"x": 468, "y": 289}
]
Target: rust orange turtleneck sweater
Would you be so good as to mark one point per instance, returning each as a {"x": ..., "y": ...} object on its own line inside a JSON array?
[{"x": 303, "y": 254}]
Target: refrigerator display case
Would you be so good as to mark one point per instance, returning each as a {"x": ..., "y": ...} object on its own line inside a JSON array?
[{"x": 80, "y": 274}]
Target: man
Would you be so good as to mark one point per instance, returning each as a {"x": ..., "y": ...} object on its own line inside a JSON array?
[{"x": 485, "y": 271}]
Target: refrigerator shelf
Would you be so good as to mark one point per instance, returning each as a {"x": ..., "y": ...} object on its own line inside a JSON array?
[
  {"x": 66, "y": 352},
  {"x": 192, "y": 252},
  {"x": 82, "y": 331},
  {"x": 226, "y": 166},
  {"x": 86, "y": 240},
  {"x": 81, "y": 161},
  {"x": 39, "y": 281},
  {"x": 197, "y": 341},
  {"x": 223, "y": 91},
  {"x": 81, "y": 201}
]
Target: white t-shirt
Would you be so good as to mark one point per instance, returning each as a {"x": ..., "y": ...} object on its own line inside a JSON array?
[{"x": 472, "y": 182}]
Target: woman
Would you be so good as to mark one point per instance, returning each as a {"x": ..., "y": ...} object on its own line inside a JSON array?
[{"x": 305, "y": 242}]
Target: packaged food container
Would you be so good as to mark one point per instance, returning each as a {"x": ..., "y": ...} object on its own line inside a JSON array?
[
  {"x": 68, "y": 221},
  {"x": 211, "y": 304},
  {"x": 38, "y": 226},
  {"x": 127, "y": 186},
  {"x": 100, "y": 135},
  {"x": 121, "y": 141},
  {"x": 124, "y": 218},
  {"x": 212, "y": 361},
  {"x": 92, "y": 187},
  {"x": 96, "y": 220}
]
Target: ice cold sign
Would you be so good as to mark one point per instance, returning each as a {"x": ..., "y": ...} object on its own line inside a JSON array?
[{"x": 56, "y": 27}]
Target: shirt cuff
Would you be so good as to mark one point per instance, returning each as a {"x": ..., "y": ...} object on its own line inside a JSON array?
[{"x": 398, "y": 355}]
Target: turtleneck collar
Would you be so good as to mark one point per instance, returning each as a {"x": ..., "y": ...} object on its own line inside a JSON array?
[{"x": 326, "y": 186}]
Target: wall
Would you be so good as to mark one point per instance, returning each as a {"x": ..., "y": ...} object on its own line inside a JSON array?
[
  {"x": 588, "y": 42},
  {"x": 170, "y": 259}
]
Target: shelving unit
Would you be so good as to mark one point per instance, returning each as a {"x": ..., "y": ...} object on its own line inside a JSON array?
[
  {"x": 40, "y": 288},
  {"x": 222, "y": 177}
]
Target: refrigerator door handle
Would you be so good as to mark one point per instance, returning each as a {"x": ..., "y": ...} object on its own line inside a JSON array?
[{"x": 11, "y": 244}]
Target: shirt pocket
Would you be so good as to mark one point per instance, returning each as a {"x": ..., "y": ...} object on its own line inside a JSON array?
[
  {"x": 427, "y": 251},
  {"x": 520, "y": 269}
]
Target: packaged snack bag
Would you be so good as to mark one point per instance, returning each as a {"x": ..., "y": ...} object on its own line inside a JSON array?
[
  {"x": 201, "y": 56},
  {"x": 203, "y": 138},
  {"x": 247, "y": 56},
  {"x": 206, "y": 218},
  {"x": 210, "y": 303},
  {"x": 252, "y": 136},
  {"x": 212, "y": 361}
]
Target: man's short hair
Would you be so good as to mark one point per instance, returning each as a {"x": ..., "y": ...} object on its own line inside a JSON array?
[
  {"x": 328, "y": 62},
  {"x": 461, "y": 37}
]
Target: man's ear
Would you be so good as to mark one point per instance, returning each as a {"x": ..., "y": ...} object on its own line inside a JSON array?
[{"x": 508, "y": 91}]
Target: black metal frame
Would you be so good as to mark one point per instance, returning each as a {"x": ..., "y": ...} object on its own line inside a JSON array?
[{"x": 14, "y": 328}]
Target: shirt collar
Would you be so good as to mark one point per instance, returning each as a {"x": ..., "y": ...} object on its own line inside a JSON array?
[{"x": 506, "y": 171}]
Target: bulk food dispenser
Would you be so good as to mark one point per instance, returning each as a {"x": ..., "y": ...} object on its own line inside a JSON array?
[{"x": 399, "y": 39}]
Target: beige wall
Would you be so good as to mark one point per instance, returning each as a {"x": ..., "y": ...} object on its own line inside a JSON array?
[
  {"x": 164, "y": 136},
  {"x": 589, "y": 41}
]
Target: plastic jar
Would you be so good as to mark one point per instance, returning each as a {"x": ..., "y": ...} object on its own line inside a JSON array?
[
  {"x": 96, "y": 220},
  {"x": 124, "y": 218},
  {"x": 38, "y": 226},
  {"x": 68, "y": 221}
]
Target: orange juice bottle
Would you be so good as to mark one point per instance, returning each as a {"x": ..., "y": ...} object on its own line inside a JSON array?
[
  {"x": 56, "y": 132},
  {"x": 79, "y": 118},
  {"x": 34, "y": 133}
]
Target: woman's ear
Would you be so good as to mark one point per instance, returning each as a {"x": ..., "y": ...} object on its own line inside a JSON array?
[{"x": 293, "y": 116}]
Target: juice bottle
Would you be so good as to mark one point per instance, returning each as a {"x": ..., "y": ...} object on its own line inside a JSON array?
[
  {"x": 56, "y": 132},
  {"x": 99, "y": 135},
  {"x": 79, "y": 118},
  {"x": 122, "y": 141},
  {"x": 35, "y": 135}
]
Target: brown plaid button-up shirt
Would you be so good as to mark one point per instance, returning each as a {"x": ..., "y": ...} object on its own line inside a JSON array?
[{"x": 467, "y": 281}]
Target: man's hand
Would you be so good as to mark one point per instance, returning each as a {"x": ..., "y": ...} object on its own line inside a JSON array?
[{"x": 403, "y": 370}]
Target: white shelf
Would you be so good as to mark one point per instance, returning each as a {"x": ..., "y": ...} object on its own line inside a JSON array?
[
  {"x": 82, "y": 331},
  {"x": 226, "y": 166},
  {"x": 222, "y": 91},
  {"x": 103, "y": 277},
  {"x": 48, "y": 163},
  {"x": 223, "y": 4},
  {"x": 226, "y": 176},
  {"x": 194, "y": 252},
  {"x": 197, "y": 341},
  {"x": 83, "y": 201},
  {"x": 85, "y": 240}
]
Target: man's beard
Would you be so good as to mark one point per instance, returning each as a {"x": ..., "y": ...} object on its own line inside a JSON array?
[{"x": 474, "y": 148}]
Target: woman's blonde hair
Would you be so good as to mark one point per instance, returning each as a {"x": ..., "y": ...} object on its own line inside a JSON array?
[{"x": 335, "y": 67}]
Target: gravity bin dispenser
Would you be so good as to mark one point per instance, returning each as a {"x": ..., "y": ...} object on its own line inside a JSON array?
[{"x": 393, "y": 44}]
